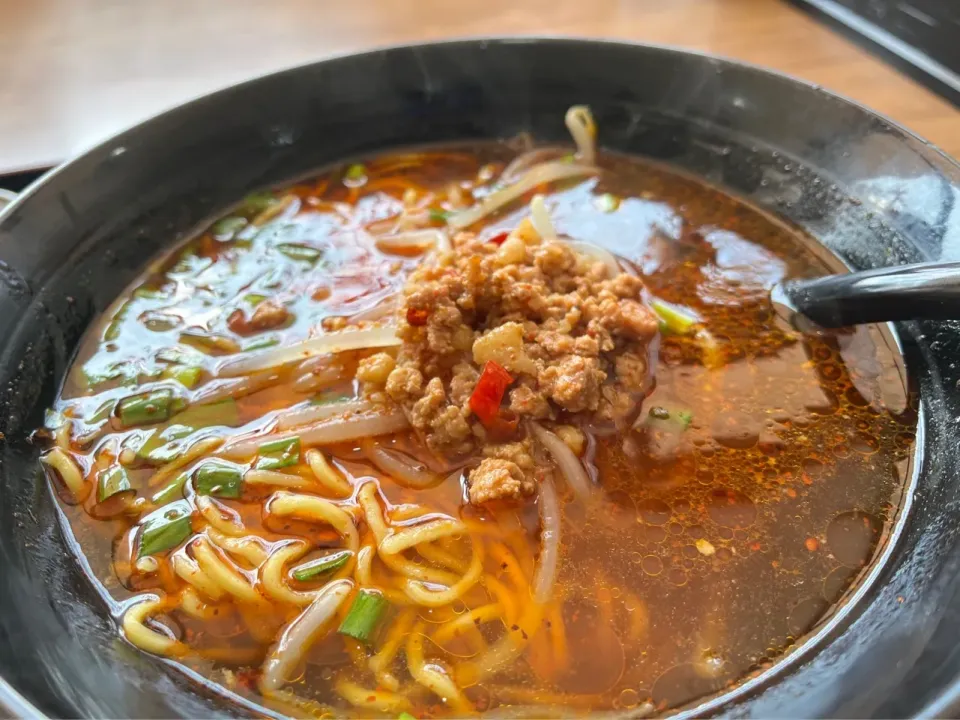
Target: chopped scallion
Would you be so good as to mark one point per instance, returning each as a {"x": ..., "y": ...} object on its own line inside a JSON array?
[
  {"x": 102, "y": 412},
  {"x": 226, "y": 228},
  {"x": 261, "y": 343},
  {"x": 254, "y": 298},
  {"x": 173, "y": 490},
  {"x": 147, "y": 408},
  {"x": 165, "y": 528},
  {"x": 438, "y": 215},
  {"x": 220, "y": 478},
  {"x": 674, "y": 319},
  {"x": 278, "y": 454},
  {"x": 185, "y": 375},
  {"x": 113, "y": 480},
  {"x": 167, "y": 443},
  {"x": 314, "y": 568},
  {"x": 256, "y": 203},
  {"x": 296, "y": 251},
  {"x": 113, "y": 329},
  {"x": 355, "y": 172},
  {"x": 147, "y": 293},
  {"x": 685, "y": 417},
  {"x": 209, "y": 343},
  {"x": 364, "y": 616}
]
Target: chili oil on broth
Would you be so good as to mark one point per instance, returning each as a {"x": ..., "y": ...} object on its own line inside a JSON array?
[{"x": 717, "y": 542}]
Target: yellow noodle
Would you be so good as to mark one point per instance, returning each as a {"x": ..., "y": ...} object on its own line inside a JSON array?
[
  {"x": 407, "y": 512},
  {"x": 223, "y": 573},
  {"x": 504, "y": 597},
  {"x": 416, "y": 571},
  {"x": 507, "y": 562},
  {"x": 272, "y": 575},
  {"x": 219, "y": 517},
  {"x": 308, "y": 507},
  {"x": 367, "y": 699},
  {"x": 63, "y": 433},
  {"x": 367, "y": 497},
  {"x": 327, "y": 476},
  {"x": 136, "y": 631},
  {"x": 195, "y": 607},
  {"x": 198, "y": 449},
  {"x": 438, "y": 556},
  {"x": 407, "y": 537},
  {"x": 188, "y": 570},
  {"x": 248, "y": 547},
  {"x": 558, "y": 636},
  {"x": 364, "y": 575},
  {"x": 68, "y": 470},
  {"x": 276, "y": 479},
  {"x": 521, "y": 550},
  {"x": 431, "y": 676},
  {"x": 466, "y": 622},
  {"x": 397, "y": 633},
  {"x": 435, "y": 598},
  {"x": 388, "y": 681},
  {"x": 365, "y": 565},
  {"x": 507, "y": 649}
]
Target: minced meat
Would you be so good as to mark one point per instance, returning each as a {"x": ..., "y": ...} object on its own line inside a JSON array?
[
  {"x": 496, "y": 479},
  {"x": 571, "y": 334}
]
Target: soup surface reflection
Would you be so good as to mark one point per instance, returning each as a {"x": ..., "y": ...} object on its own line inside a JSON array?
[{"x": 320, "y": 570}]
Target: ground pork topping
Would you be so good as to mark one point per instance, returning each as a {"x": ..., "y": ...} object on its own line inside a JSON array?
[
  {"x": 496, "y": 334},
  {"x": 496, "y": 479}
]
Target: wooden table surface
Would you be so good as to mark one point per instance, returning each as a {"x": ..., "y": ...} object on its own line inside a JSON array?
[{"x": 76, "y": 71}]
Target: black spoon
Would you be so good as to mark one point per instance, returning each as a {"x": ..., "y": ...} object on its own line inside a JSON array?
[{"x": 928, "y": 291}]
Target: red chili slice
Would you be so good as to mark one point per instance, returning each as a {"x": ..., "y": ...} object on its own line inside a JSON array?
[
  {"x": 499, "y": 238},
  {"x": 417, "y": 317},
  {"x": 488, "y": 393}
]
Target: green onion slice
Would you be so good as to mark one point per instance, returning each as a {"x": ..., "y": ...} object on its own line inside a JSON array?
[
  {"x": 173, "y": 490},
  {"x": 146, "y": 408},
  {"x": 296, "y": 251},
  {"x": 320, "y": 566},
  {"x": 256, "y": 203},
  {"x": 226, "y": 228},
  {"x": 355, "y": 172},
  {"x": 674, "y": 319},
  {"x": 363, "y": 618},
  {"x": 165, "y": 528},
  {"x": 187, "y": 376},
  {"x": 278, "y": 454},
  {"x": 113, "y": 480},
  {"x": 220, "y": 478}
]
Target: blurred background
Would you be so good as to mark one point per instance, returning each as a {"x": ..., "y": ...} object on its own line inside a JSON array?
[{"x": 77, "y": 71}]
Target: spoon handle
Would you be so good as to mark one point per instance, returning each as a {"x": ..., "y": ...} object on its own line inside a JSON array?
[{"x": 928, "y": 291}]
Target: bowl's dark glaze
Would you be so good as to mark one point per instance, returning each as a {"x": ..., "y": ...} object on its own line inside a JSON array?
[{"x": 870, "y": 191}]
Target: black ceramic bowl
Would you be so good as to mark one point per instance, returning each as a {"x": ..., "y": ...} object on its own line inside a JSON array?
[{"x": 870, "y": 191}]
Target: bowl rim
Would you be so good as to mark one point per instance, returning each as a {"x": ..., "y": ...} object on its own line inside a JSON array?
[{"x": 946, "y": 700}]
